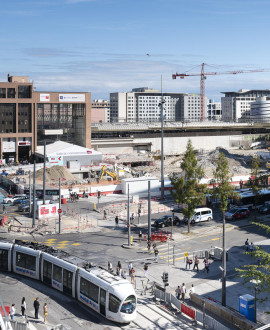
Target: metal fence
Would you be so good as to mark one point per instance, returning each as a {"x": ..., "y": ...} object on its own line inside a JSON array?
[{"x": 204, "y": 319}]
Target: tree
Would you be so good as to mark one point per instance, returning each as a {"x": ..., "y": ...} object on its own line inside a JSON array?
[
  {"x": 187, "y": 188},
  {"x": 255, "y": 178},
  {"x": 223, "y": 191},
  {"x": 260, "y": 270}
]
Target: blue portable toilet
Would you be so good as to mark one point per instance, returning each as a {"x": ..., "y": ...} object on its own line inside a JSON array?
[{"x": 246, "y": 306}]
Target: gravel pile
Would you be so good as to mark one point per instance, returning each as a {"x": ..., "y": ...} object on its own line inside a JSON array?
[{"x": 54, "y": 173}]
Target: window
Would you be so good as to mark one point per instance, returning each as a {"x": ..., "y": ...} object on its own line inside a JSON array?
[
  {"x": 4, "y": 259},
  {"x": 47, "y": 272},
  {"x": 2, "y": 93},
  {"x": 57, "y": 273},
  {"x": 114, "y": 303},
  {"x": 11, "y": 93},
  {"x": 129, "y": 305},
  {"x": 24, "y": 92},
  {"x": 89, "y": 290},
  {"x": 26, "y": 261}
]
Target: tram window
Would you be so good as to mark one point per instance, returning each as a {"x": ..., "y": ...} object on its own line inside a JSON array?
[
  {"x": 89, "y": 290},
  {"x": 26, "y": 261},
  {"x": 4, "y": 259},
  {"x": 47, "y": 271},
  {"x": 114, "y": 303},
  {"x": 129, "y": 305},
  {"x": 57, "y": 273}
]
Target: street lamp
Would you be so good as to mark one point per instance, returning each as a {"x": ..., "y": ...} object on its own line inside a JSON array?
[
  {"x": 256, "y": 284},
  {"x": 162, "y": 101}
]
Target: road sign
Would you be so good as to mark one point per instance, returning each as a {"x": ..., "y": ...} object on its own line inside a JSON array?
[
  {"x": 186, "y": 254},
  {"x": 59, "y": 211}
]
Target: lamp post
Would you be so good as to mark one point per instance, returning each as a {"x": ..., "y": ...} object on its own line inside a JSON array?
[
  {"x": 256, "y": 283},
  {"x": 162, "y": 101}
]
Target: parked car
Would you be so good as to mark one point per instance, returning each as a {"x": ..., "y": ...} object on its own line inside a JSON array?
[
  {"x": 11, "y": 200},
  {"x": 24, "y": 208},
  {"x": 166, "y": 221},
  {"x": 264, "y": 209},
  {"x": 237, "y": 213},
  {"x": 177, "y": 209},
  {"x": 21, "y": 201}
]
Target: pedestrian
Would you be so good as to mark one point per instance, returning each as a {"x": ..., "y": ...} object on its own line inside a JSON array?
[
  {"x": 4, "y": 208},
  {"x": 188, "y": 262},
  {"x": 154, "y": 245},
  {"x": 132, "y": 275},
  {"x": 178, "y": 292},
  {"x": 9, "y": 227},
  {"x": 251, "y": 247},
  {"x": 104, "y": 215},
  {"x": 117, "y": 271},
  {"x": 140, "y": 236},
  {"x": 183, "y": 291},
  {"x": 45, "y": 310},
  {"x": 110, "y": 268},
  {"x": 116, "y": 221},
  {"x": 145, "y": 269},
  {"x": 148, "y": 245},
  {"x": 130, "y": 266},
  {"x": 12, "y": 311},
  {"x": 191, "y": 290},
  {"x": 196, "y": 263},
  {"x": 119, "y": 264},
  {"x": 36, "y": 307},
  {"x": 23, "y": 306},
  {"x": 206, "y": 265},
  {"x": 247, "y": 244},
  {"x": 156, "y": 254},
  {"x": 124, "y": 274},
  {"x": 132, "y": 218}
]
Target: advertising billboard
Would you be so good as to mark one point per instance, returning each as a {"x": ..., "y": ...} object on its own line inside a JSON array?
[
  {"x": 9, "y": 146},
  {"x": 71, "y": 98},
  {"x": 47, "y": 211},
  {"x": 44, "y": 97},
  {"x": 55, "y": 160}
]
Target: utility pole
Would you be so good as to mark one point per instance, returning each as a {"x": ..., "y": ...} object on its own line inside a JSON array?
[
  {"x": 149, "y": 211},
  {"x": 44, "y": 174},
  {"x": 59, "y": 205},
  {"x": 128, "y": 221},
  {"x": 224, "y": 262},
  {"x": 30, "y": 194},
  {"x": 162, "y": 141},
  {"x": 34, "y": 196}
]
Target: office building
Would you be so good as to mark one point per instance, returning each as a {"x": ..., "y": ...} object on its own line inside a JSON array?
[
  {"x": 143, "y": 105},
  {"x": 214, "y": 110},
  {"x": 236, "y": 105},
  {"x": 260, "y": 110},
  {"x": 29, "y": 117},
  {"x": 100, "y": 111}
]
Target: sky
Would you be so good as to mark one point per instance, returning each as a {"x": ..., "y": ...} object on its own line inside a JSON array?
[{"x": 104, "y": 46}]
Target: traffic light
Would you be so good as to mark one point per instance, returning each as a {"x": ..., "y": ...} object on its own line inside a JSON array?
[
  {"x": 98, "y": 194},
  {"x": 165, "y": 277}
]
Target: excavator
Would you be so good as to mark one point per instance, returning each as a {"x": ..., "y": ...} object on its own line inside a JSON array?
[{"x": 111, "y": 174}]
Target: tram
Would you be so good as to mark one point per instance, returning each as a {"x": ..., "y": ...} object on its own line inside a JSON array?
[{"x": 104, "y": 292}]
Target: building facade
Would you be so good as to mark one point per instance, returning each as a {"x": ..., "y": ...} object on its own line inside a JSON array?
[
  {"x": 236, "y": 105},
  {"x": 260, "y": 110},
  {"x": 29, "y": 117},
  {"x": 100, "y": 111},
  {"x": 214, "y": 111},
  {"x": 143, "y": 105}
]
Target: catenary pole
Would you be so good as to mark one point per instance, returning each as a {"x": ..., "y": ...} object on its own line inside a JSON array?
[
  {"x": 44, "y": 174},
  {"x": 149, "y": 210},
  {"x": 59, "y": 205},
  {"x": 34, "y": 195},
  {"x": 162, "y": 142},
  {"x": 128, "y": 221},
  {"x": 30, "y": 194},
  {"x": 224, "y": 262}
]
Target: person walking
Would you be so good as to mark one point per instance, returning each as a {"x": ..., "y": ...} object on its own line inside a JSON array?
[
  {"x": 130, "y": 266},
  {"x": 23, "y": 307},
  {"x": 36, "y": 307},
  {"x": 251, "y": 247},
  {"x": 12, "y": 311},
  {"x": 110, "y": 267},
  {"x": 156, "y": 254},
  {"x": 183, "y": 291},
  {"x": 116, "y": 221},
  {"x": 45, "y": 310},
  {"x": 104, "y": 215},
  {"x": 196, "y": 263},
  {"x": 178, "y": 292},
  {"x": 148, "y": 245},
  {"x": 145, "y": 269},
  {"x": 132, "y": 275},
  {"x": 188, "y": 262},
  {"x": 124, "y": 274},
  {"x": 4, "y": 208},
  {"x": 191, "y": 290},
  {"x": 140, "y": 236},
  {"x": 119, "y": 264},
  {"x": 206, "y": 265},
  {"x": 247, "y": 244}
]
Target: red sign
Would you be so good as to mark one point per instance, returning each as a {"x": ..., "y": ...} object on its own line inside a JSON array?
[{"x": 59, "y": 211}]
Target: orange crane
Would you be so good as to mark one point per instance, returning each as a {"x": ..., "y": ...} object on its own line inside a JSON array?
[{"x": 203, "y": 75}]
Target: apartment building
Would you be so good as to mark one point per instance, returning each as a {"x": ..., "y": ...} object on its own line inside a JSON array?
[
  {"x": 214, "y": 111},
  {"x": 100, "y": 111},
  {"x": 143, "y": 105},
  {"x": 236, "y": 105},
  {"x": 28, "y": 117}
]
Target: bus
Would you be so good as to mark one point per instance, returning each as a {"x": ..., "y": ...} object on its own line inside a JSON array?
[{"x": 248, "y": 199}]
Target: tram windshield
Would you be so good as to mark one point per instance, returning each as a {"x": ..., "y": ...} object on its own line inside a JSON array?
[{"x": 129, "y": 305}]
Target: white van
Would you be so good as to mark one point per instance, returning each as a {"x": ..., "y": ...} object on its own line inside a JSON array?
[{"x": 201, "y": 214}]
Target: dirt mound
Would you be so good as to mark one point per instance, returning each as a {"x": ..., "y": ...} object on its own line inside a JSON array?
[{"x": 54, "y": 173}]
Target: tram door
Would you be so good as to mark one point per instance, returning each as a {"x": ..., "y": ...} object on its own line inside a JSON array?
[
  {"x": 67, "y": 282},
  {"x": 102, "y": 302},
  {"x": 4, "y": 259},
  {"x": 47, "y": 272}
]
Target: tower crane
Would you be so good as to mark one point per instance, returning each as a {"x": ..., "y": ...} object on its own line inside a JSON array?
[{"x": 203, "y": 75}]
